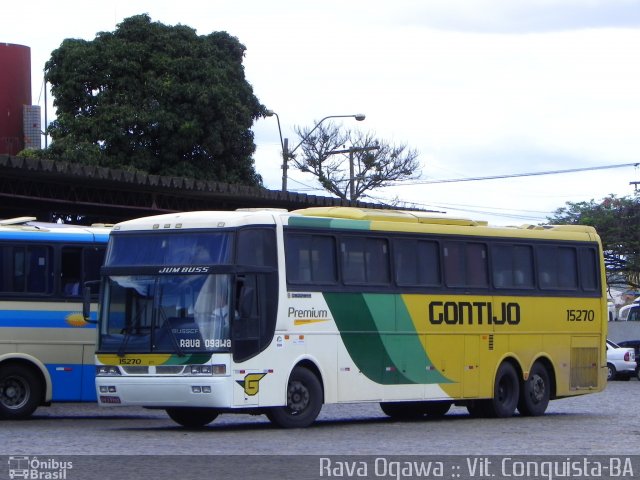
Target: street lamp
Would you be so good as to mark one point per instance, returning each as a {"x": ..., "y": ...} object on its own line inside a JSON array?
[{"x": 287, "y": 154}]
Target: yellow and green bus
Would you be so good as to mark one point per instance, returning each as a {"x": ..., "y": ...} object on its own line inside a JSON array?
[
  {"x": 275, "y": 312},
  {"x": 46, "y": 347}
]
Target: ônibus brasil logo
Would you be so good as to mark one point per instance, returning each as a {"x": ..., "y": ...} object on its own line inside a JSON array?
[{"x": 38, "y": 468}]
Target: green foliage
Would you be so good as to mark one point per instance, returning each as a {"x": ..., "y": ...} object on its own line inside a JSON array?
[
  {"x": 376, "y": 163},
  {"x": 155, "y": 98},
  {"x": 617, "y": 221}
]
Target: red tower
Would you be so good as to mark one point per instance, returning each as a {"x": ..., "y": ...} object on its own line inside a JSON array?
[{"x": 15, "y": 92}]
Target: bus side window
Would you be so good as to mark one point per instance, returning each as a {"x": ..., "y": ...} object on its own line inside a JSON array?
[
  {"x": 256, "y": 246},
  {"x": 589, "y": 269},
  {"x": 557, "y": 268},
  {"x": 31, "y": 269},
  {"x": 477, "y": 275},
  {"x": 365, "y": 260},
  {"x": 512, "y": 266},
  {"x": 453, "y": 255},
  {"x": 4, "y": 267},
  {"x": 92, "y": 260},
  {"x": 71, "y": 271}
]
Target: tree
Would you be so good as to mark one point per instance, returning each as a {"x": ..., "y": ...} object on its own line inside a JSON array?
[
  {"x": 617, "y": 221},
  {"x": 155, "y": 98},
  {"x": 375, "y": 163}
]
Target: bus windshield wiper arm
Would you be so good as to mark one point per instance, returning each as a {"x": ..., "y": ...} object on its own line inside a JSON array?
[{"x": 128, "y": 330}]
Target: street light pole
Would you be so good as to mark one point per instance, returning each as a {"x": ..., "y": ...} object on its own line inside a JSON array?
[{"x": 287, "y": 154}]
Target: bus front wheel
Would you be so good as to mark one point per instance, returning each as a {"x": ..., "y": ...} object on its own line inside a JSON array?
[
  {"x": 536, "y": 391},
  {"x": 192, "y": 417},
  {"x": 20, "y": 391},
  {"x": 304, "y": 401}
]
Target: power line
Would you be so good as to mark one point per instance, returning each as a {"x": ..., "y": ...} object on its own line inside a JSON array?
[
  {"x": 514, "y": 175},
  {"x": 478, "y": 210}
]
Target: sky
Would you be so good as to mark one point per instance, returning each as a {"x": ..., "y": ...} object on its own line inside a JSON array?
[{"x": 481, "y": 88}]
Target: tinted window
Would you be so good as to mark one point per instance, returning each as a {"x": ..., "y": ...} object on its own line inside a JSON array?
[
  {"x": 589, "y": 270},
  {"x": 256, "y": 246},
  {"x": 416, "y": 262},
  {"x": 183, "y": 248},
  {"x": 310, "y": 259},
  {"x": 365, "y": 260},
  {"x": 26, "y": 269},
  {"x": 465, "y": 264},
  {"x": 557, "y": 268},
  {"x": 512, "y": 266}
]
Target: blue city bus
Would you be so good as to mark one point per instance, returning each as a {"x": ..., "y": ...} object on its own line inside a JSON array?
[{"x": 46, "y": 346}]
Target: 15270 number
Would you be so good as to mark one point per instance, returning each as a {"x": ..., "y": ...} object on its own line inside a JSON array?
[{"x": 580, "y": 315}]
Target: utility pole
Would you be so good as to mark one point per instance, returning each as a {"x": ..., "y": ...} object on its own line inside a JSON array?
[
  {"x": 352, "y": 179},
  {"x": 287, "y": 154},
  {"x": 285, "y": 158}
]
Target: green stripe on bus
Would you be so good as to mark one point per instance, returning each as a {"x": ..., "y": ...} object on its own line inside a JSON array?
[
  {"x": 401, "y": 343},
  {"x": 328, "y": 223},
  {"x": 362, "y": 339},
  {"x": 381, "y": 339}
]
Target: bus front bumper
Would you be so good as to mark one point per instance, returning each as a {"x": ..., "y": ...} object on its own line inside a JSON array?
[{"x": 212, "y": 392}]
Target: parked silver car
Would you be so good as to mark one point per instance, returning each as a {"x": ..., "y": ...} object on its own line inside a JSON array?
[{"x": 621, "y": 361}]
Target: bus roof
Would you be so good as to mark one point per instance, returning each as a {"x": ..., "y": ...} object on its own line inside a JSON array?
[
  {"x": 353, "y": 218},
  {"x": 201, "y": 219},
  {"x": 415, "y": 221},
  {"x": 27, "y": 229}
]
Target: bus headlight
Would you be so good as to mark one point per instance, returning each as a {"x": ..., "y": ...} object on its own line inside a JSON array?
[
  {"x": 208, "y": 369},
  {"x": 107, "y": 370}
]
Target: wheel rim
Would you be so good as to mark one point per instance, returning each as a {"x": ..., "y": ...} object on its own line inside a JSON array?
[
  {"x": 297, "y": 397},
  {"x": 14, "y": 393},
  {"x": 538, "y": 389}
]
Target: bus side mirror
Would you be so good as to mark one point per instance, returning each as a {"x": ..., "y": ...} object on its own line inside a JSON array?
[
  {"x": 86, "y": 301},
  {"x": 86, "y": 304}
]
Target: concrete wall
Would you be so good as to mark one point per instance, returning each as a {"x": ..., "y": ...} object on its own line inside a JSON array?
[{"x": 619, "y": 331}]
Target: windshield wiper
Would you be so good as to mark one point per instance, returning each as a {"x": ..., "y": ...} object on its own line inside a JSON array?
[{"x": 129, "y": 329}]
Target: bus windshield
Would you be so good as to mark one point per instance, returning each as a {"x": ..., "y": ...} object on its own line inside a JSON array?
[
  {"x": 176, "y": 314},
  {"x": 161, "y": 293}
]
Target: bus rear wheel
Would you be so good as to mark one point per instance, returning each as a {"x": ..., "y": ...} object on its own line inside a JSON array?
[
  {"x": 506, "y": 393},
  {"x": 20, "y": 392},
  {"x": 304, "y": 401},
  {"x": 192, "y": 417},
  {"x": 536, "y": 391}
]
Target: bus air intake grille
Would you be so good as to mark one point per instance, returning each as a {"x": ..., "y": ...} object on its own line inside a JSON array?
[
  {"x": 135, "y": 370},
  {"x": 584, "y": 367},
  {"x": 169, "y": 369},
  {"x": 490, "y": 342}
]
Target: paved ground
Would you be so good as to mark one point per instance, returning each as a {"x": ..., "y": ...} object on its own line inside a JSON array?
[{"x": 603, "y": 423}]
